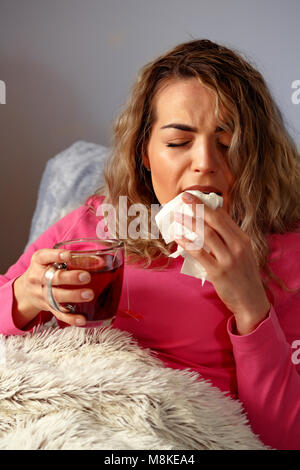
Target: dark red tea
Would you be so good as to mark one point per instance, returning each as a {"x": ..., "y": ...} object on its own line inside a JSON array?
[{"x": 106, "y": 283}]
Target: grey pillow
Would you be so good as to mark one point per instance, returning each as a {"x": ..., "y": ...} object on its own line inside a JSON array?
[{"x": 68, "y": 179}]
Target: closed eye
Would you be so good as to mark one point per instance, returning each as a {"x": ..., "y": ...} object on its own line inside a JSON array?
[
  {"x": 223, "y": 146},
  {"x": 178, "y": 145}
]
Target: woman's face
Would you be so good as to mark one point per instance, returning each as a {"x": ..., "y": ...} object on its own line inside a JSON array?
[{"x": 194, "y": 155}]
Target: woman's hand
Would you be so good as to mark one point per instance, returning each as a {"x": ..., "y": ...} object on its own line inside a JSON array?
[
  {"x": 30, "y": 289},
  {"x": 230, "y": 265}
]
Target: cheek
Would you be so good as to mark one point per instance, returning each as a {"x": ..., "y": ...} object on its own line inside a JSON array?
[
  {"x": 164, "y": 181},
  {"x": 164, "y": 162},
  {"x": 165, "y": 173}
]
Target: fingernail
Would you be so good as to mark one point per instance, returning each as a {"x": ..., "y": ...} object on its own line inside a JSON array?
[
  {"x": 86, "y": 294},
  {"x": 84, "y": 277},
  {"x": 64, "y": 255},
  {"x": 188, "y": 197},
  {"x": 80, "y": 321}
]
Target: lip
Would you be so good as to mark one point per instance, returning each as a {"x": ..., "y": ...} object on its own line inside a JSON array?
[{"x": 205, "y": 189}]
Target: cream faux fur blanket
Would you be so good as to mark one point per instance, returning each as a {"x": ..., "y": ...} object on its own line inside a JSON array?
[{"x": 77, "y": 388}]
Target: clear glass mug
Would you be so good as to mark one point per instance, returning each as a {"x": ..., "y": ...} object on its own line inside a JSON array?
[{"x": 106, "y": 280}]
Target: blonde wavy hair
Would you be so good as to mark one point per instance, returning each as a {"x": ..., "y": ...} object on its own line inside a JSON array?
[{"x": 262, "y": 156}]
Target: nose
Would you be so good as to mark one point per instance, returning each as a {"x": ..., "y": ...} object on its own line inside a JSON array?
[{"x": 205, "y": 157}]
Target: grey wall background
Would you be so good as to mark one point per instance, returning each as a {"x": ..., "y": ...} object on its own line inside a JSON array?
[{"x": 68, "y": 66}]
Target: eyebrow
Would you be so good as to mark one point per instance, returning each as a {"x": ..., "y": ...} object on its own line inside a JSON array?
[{"x": 184, "y": 127}]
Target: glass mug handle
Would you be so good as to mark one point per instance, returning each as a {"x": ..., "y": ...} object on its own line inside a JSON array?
[{"x": 51, "y": 300}]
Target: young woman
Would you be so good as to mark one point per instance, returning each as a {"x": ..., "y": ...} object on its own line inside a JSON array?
[{"x": 198, "y": 116}]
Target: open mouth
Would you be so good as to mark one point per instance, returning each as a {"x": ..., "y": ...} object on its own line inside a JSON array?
[
  {"x": 205, "y": 189},
  {"x": 204, "y": 192}
]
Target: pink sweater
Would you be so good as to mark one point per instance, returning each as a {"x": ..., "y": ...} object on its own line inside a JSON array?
[{"x": 188, "y": 326}]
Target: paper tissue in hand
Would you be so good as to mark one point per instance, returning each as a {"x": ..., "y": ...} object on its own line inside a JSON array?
[{"x": 168, "y": 227}]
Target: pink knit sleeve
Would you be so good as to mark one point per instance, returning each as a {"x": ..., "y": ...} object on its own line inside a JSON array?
[
  {"x": 268, "y": 375},
  {"x": 57, "y": 232}
]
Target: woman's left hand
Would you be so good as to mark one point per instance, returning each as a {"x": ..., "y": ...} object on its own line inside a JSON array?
[{"x": 231, "y": 265}]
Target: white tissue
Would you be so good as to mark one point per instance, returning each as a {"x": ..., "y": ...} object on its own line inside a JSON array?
[{"x": 168, "y": 227}]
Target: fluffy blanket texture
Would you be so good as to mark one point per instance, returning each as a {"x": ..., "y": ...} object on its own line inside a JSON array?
[{"x": 77, "y": 388}]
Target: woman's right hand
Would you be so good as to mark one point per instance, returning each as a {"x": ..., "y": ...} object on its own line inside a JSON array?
[{"x": 30, "y": 289}]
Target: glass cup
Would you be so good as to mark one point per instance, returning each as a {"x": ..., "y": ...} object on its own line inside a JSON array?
[{"x": 87, "y": 254}]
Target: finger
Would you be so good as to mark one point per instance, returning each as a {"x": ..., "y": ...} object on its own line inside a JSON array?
[
  {"x": 72, "y": 277},
  {"x": 206, "y": 259},
  {"x": 47, "y": 256},
  {"x": 87, "y": 261},
  {"x": 219, "y": 220},
  {"x": 69, "y": 318},
  {"x": 207, "y": 237},
  {"x": 72, "y": 295}
]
